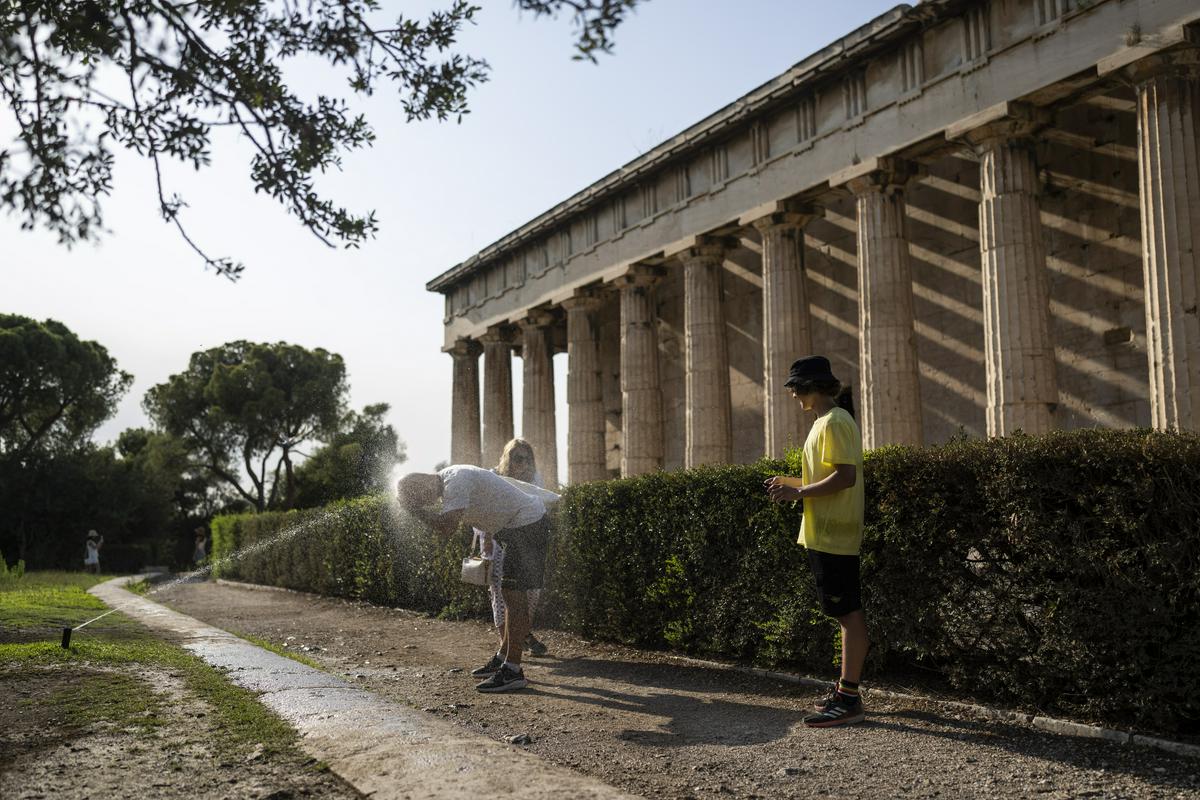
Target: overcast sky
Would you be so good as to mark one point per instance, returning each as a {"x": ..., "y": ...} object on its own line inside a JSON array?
[{"x": 541, "y": 129}]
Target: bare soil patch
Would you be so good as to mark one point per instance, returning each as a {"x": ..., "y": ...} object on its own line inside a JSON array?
[
  {"x": 61, "y": 737},
  {"x": 661, "y": 727}
]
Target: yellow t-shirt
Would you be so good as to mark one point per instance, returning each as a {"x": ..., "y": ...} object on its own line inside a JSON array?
[{"x": 833, "y": 523}]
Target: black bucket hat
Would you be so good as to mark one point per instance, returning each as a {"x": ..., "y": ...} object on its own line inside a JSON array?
[{"x": 809, "y": 370}]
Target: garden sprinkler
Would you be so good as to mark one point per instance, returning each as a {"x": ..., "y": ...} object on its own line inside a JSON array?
[{"x": 66, "y": 638}]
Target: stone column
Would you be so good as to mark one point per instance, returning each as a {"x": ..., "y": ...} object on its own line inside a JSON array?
[
  {"x": 641, "y": 396},
  {"x": 1168, "y": 109},
  {"x": 537, "y": 407},
  {"x": 497, "y": 394},
  {"x": 891, "y": 387},
  {"x": 709, "y": 426},
  {"x": 464, "y": 404},
  {"x": 786, "y": 326},
  {"x": 1022, "y": 384},
  {"x": 585, "y": 399}
]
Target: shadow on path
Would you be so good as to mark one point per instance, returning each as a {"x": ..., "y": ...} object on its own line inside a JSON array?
[{"x": 690, "y": 720}]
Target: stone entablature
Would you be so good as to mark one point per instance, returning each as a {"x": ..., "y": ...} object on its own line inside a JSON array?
[{"x": 895, "y": 84}]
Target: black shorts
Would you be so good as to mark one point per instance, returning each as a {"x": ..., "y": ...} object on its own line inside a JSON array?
[
  {"x": 838, "y": 586},
  {"x": 525, "y": 555}
]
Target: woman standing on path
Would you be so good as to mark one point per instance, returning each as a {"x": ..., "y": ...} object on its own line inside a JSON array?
[
  {"x": 517, "y": 461},
  {"x": 831, "y": 486}
]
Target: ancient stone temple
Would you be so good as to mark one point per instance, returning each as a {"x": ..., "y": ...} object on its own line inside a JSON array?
[{"x": 986, "y": 213}]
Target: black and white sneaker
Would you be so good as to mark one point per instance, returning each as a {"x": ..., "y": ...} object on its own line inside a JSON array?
[
  {"x": 825, "y": 702},
  {"x": 489, "y": 669},
  {"x": 838, "y": 712},
  {"x": 535, "y": 645},
  {"x": 506, "y": 680}
]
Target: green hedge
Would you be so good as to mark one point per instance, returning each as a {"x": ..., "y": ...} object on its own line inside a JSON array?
[
  {"x": 363, "y": 549},
  {"x": 1058, "y": 573}
]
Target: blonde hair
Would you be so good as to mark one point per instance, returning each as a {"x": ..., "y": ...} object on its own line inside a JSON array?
[{"x": 505, "y": 466}]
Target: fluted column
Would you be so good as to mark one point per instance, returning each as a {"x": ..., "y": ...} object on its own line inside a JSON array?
[
  {"x": 641, "y": 396},
  {"x": 1022, "y": 383},
  {"x": 708, "y": 423},
  {"x": 1168, "y": 109},
  {"x": 891, "y": 389},
  {"x": 464, "y": 404},
  {"x": 786, "y": 326},
  {"x": 585, "y": 400},
  {"x": 497, "y": 394},
  {"x": 537, "y": 407}
]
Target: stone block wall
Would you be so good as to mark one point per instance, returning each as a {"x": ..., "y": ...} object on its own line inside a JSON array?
[{"x": 1092, "y": 228}]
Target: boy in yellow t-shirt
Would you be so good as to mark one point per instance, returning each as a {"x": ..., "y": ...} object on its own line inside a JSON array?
[{"x": 831, "y": 486}]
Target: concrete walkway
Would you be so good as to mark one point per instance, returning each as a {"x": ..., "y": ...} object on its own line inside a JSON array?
[{"x": 382, "y": 748}]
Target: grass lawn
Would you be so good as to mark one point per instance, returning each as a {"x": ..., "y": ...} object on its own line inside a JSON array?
[{"x": 117, "y": 677}]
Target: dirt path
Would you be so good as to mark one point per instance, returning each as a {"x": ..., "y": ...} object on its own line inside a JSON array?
[{"x": 657, "y": 727}]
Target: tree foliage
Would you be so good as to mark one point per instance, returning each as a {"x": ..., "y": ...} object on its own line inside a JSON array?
[
  {"x": 357, "y": 460},
  {"x": 55, "y": 388},
  {"x": 83, "y": 76},
  {"x": 242, "y": 409}
]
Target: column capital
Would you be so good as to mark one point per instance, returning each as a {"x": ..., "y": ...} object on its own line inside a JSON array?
[
  {"x": 706, "y": 248},
  {"x": 1181, "y": 63},
  {"x": 537, "y": 318},
  {"x": 877, "y": 174},
  {"x": 498, "y": 334},
  {"x": 1011, "y": 123},
  {"x": 640, "y": 275},
  {"x": 788, "y": 219},
  {"x": 584, "y": 299},
  {"x": 466, "y": 348}
]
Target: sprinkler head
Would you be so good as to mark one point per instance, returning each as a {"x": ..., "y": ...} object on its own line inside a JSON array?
[{"x": 66, "y": 640}]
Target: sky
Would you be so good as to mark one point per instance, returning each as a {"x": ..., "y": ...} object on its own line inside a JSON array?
[{"x": 542, "y": 128}]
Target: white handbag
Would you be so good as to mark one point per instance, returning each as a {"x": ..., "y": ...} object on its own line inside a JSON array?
[{"x": 476, "y": 569}]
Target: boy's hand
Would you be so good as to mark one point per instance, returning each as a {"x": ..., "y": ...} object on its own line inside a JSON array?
[{"x": 779, "y": 490}]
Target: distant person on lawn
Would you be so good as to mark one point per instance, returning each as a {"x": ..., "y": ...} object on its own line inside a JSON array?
[
  {"x": 201, "y": 550},
  {"x": 516, "y": 519},
  {"x": 91, "y": 553},
  {"x": 831, "y": 486}
]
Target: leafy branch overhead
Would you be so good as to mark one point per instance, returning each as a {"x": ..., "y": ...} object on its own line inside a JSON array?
[{"x": 80, "y": 77}]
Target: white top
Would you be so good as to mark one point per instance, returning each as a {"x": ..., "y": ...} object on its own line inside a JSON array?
[
  {"x": 488, "y": 502},
  {"x": 547, "y": 497},
  {"x": 93, "y": 553}
]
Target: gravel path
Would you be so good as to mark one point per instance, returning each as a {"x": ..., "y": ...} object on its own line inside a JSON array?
[{"x": 658, "y": 727}]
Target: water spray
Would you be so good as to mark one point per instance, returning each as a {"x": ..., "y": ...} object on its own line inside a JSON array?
[{"x": 283, "y": 535}]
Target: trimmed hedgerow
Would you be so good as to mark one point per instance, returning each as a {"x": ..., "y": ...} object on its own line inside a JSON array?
[
  {"x": 1058, "y": 573},
  {"x": 363, "y": 549}
]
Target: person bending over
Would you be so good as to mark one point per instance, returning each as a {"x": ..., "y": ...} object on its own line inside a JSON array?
[{"x": 515, "y": 519}]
